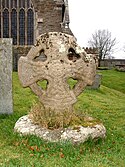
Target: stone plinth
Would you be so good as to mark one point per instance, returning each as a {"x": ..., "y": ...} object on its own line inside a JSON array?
[
  {"x": 75, "y": 135},
  {"x": 6, "y": 102}
]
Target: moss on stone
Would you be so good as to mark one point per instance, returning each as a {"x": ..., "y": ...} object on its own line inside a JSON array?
[{"x": 54, "y": 120}]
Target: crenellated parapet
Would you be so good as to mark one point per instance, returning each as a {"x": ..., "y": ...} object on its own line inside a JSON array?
[
  {"x": 90, "y": 50},
  {"x": 94, "y": 52}
]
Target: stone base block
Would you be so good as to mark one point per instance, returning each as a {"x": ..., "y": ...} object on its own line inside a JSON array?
[{"x": 78, "y": 134}]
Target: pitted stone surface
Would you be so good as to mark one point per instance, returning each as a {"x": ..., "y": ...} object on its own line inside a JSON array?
[
  {"x": 6, "y": 101},
  {"x": 75, "y": 135},
  {"x": 56, "y": 57}
]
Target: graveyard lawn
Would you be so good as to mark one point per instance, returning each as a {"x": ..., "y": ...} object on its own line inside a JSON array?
[{"x": 106, "y": 104}]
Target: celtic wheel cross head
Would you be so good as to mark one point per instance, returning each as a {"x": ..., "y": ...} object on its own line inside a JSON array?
[{"x": 56, "y": 57}]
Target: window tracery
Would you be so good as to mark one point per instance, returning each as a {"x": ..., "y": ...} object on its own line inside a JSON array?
[
  {"x": 22, "y": 27},
  {"x": 5, "y": 23},
  {"x": 30, "y": 25},
  {"x": 14, "y": 26},
  {"x": 17, "y": 21}
]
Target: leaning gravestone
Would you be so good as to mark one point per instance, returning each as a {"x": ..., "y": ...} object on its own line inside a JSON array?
[
  {"x": 56, "y": 57},
  {"x": 97, "y": 82},
  {"x": 6, "y": 102}
]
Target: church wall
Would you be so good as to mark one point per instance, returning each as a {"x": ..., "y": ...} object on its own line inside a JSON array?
[
  {"x": 19, "y": 51},
  {"x": 49, "y": 15}
]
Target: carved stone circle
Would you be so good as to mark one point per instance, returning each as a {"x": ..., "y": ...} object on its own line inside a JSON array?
[{"x": 56, "y": 57}]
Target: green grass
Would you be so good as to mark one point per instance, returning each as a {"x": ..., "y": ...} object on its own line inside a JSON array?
[
  {"x": 106, "y": 104},
  {"x": 114, "y": 79}
]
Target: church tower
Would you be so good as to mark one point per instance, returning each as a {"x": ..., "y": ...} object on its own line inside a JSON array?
[{"x": 52, "y": 15}]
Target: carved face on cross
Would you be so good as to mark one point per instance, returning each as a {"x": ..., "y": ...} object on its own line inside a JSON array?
[{"x": 56, "y": 57}]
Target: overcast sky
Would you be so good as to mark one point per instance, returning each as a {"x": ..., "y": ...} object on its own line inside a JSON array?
[{"x": 86, "y": 16}]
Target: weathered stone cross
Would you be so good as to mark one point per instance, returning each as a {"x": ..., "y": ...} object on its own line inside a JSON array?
[{"x": 56, "y": 57}]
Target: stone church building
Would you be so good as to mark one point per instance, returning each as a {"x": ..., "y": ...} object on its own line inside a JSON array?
[{"x": 24, "y": 20}]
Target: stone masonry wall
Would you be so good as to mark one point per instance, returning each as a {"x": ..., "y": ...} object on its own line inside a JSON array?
[
  {"x": 49, "y": 15},
  {"x": 19, "y": 51},
  {"x": 112, "y": 62}
]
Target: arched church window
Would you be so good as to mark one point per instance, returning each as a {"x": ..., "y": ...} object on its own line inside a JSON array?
[
  {"x": 6, "y": 23},
  {"x": 22, "y": 27},
  {"x": 17, "y": 21},
  {"x": 14, "y": 26},
  {"x": 30, "y": 27}
]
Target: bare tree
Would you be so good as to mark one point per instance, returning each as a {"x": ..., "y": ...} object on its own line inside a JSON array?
[
  {"x": 102, "y": 40},
  {"x": 124, "y": 47}
]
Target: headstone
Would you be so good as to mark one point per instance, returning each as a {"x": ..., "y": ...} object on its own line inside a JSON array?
[
  {"x": 6, "y": 101},
  {"x": 56, "y": 57},
  {"x": 97, "y": 82},
  {"x": 120, "y": 67},
  {"x": 64, "y": 60}
]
